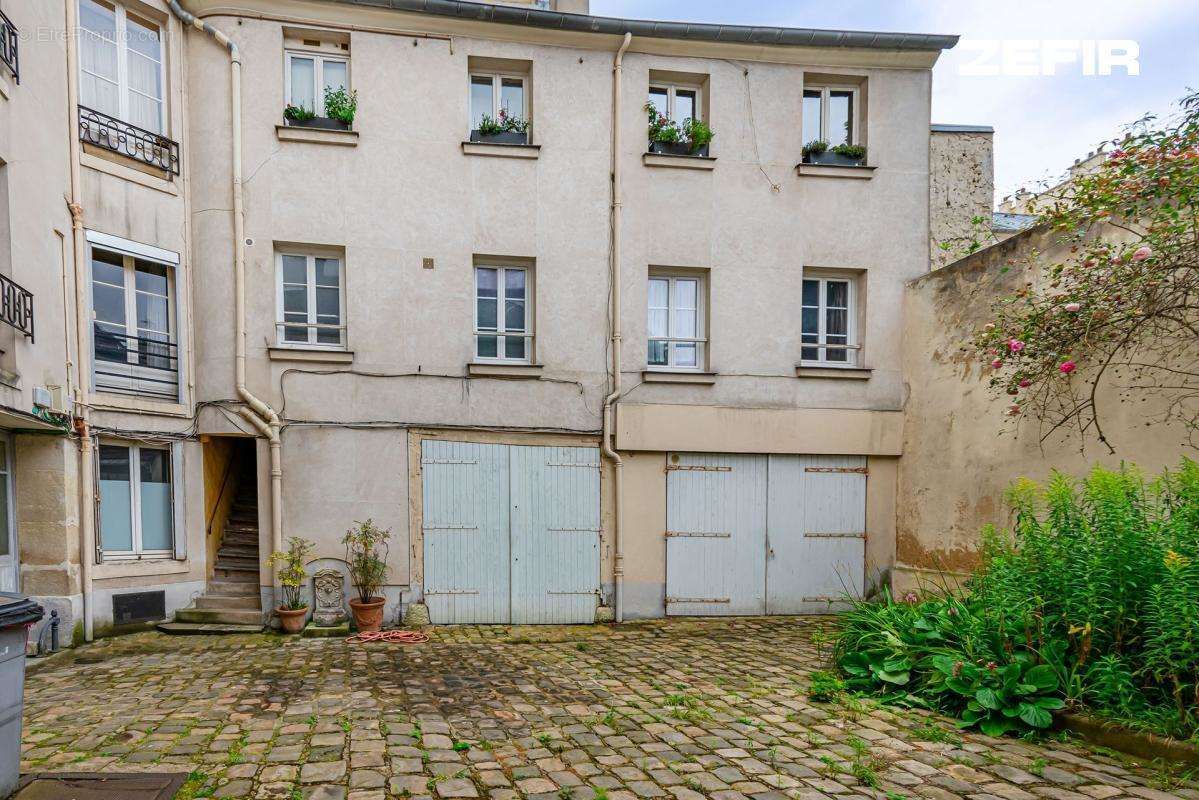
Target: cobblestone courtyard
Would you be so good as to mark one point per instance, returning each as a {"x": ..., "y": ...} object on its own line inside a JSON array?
[{"x": 677, "y": 710}]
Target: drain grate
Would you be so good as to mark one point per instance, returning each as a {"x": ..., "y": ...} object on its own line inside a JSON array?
[{"x": 100, "y": 786}]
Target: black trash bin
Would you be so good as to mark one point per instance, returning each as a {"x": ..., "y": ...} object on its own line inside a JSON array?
[{"x": 17, "y": 613}]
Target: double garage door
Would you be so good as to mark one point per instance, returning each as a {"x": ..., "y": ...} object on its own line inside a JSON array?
[
  {"x": 511, "y": 533},
  {"x": 756, "y": 534}
]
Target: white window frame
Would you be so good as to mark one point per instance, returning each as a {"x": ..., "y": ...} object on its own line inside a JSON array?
[
  {"x": 318, "y": 74},
  {"x": 855, "y": 136},
  {"x": 497, "y": 85},
  {"x": 310, "y": 284},
  {"x": 671, "y": 89},
  {"x": 851, "y": 347},
  {"x": 501, "y": 331},
  {"x": 122, "y": 44},
  {"x": 130, "y": 252},
  {"x": 135, "y": 505},
  {"x": 701, "y": 323}
]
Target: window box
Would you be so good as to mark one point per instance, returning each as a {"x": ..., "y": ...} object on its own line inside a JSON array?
[
  {"x": 505, "y": 137},
  {"x": 829, "y": 158},
  {"x": 320, "y": 123},
  {"x": 677, "y": 149}
]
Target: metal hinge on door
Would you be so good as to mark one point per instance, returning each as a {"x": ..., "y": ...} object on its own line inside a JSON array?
[
  {"x": 850, "y": 470},
  {"x": 697, "y": 600},
  {"x": 695, "y": 468},
  {"x": 697, "y": 534},
  {"x": 822, "y": 535}
]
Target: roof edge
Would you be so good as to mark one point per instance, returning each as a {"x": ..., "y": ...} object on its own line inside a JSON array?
[
  {"x": 691, "y": 31},
  {"x": 941, "y": 127}
]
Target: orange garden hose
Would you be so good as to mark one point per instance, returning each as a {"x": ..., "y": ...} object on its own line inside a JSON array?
[{"x": 392, "y": 637}]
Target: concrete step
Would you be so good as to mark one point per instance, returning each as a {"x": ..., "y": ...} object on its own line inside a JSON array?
[
  {"x": 237, "y": 562},
  {"x": 240, "y": 541},
  {"x": 224, "y": 616},
  {"x": 206, "y": 628},
  {"x": 245, "y": 585},
  {"x": 229, "y": 551},
  {"x": 245, "y": 574},
  {"x": 238, "y": 601}
]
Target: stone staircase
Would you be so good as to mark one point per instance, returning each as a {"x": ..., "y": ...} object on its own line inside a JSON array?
[{"x": 232, "y": 602}]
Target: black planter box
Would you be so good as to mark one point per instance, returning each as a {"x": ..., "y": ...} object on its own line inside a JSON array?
[
  {"x": 507, "y": 137},
  {"x": 676, "y": 149},
  {"x": 829, "y": 158},
  {"x": 323, "y": 123}
]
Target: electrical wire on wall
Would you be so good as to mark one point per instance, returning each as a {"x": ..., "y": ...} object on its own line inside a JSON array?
[{"x": 753, "y": 126}]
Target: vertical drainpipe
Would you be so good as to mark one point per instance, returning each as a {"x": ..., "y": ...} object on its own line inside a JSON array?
[
  {"x": 260, "y": 415},
  {"x": 87, "y": 489},
  {"x": 610, "y": 400}
]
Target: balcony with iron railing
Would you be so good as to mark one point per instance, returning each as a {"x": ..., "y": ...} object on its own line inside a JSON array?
[
  {"x": 136, "y": 365},
  {"x": 105, "y": 131},
  {"x": 9, "y": 37},
  {"x": 16, "y": 306}
]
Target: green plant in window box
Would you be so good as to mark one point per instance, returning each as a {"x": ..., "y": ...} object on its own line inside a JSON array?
[
  {"x": 298, "y": 113},
  {"x": 851, "y": 151},
  {"x": 697, "y": 133},
  {"x": 292, "y": 577},
  {"x": 341, "y": 105},
  {"x": 504, "y": 123},
  {"x": 814, "y": 148}
]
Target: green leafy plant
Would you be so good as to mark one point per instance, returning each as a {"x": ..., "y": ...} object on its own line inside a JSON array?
[
  {"x": 504, "y": 123},
  {"x": 366, "y": 553},
  {"x": 694, "y": 133},
  {"x": 340, "y": 104},
  {"x": 825, "y": 687},
  {"x": 292, "y": 574},
  {"x": 1016, "y": 697},
  {"x": 697, "y": 133},
  {"x": 814, "y": 148},
  {"x": 851, "y": 151},
  {"x": 298, "y": 113}
]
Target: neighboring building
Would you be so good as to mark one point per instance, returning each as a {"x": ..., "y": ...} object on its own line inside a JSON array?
[
  {"x": 961, "y": 188},
  {"x": 427, "y": 315}
]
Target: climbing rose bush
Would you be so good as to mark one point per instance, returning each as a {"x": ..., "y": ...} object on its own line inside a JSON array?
[{"x": 1122, "y": 310}]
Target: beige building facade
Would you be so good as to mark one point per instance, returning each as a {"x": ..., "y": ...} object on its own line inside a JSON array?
[{"x": 578, "y": 376}]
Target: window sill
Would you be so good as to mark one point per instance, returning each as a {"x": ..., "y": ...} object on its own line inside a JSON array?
[
  {"x": 678, "y": 162},
  {"x": 135, "y": 568},
  {"x": 118, "y": 402},
  {"x": 289, "y": 133},
  {"x": 477, "y": 369},
  {"x": 313, "y": 354},
  {"x": 833, "y": 171},
  {"x": 841, "y": 373},
  {"x": 125, "y": 168},
  {"x": 663, "y": 376},
  {"x": 501, "y": 150}
]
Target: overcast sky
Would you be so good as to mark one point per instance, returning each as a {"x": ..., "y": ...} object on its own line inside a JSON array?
[{"x": 1042, "y": 123}]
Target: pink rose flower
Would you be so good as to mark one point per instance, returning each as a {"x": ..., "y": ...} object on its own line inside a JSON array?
[
  {"x": 997, "y": 363},
  {"x": 1067, "y": 367},
  {"x": 1141, "y": 253},
  {"x": 1015, "y": 345},
  {"x": 1013, "y": 410},
  {"x": 1025, "y": 383},
  {"x": 1072, "y": 307}
]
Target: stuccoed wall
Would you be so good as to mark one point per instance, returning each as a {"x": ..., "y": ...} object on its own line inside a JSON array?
[{"x": 961, "y": 187}]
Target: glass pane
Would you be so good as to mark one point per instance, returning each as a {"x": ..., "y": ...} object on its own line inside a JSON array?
[
  {"x": 328, "y": 304},
  {"x": 100, "y": 94},
  {"x": 836, "y": 353},
  {"x": 328, "y": 272},
  {"x": 810, "y": 354},
  {"x": 657, "y": 354},
  {"x": 295, "y": 269},
  {"x": 142, "y": 37},
  {"x": 151, "y": 278},
  {"x": 514, "y": 315},
  {"x": 108, "y": 302},
  {"x": 659, "y": 292},
  {"x": 514, "y": 347},
  {"x": 481, "y": 90},
  {"x": 153, "y": 314},
  {"x": 684, "y": 105},
  {"x": 684, "y": 354},
  {"x": 295, "y": 334},
  {"x": 116, "y": 522},
  {"x": 295, "y": 301},
  {"x": 487, "y": 346},
  {"x": 811, "y": 117},
  {"x": 514, "y": 284},
  {"x": 811, "y": 321},
  {"x": 110, "y": 343},
  {"x": 303, "y": 85},
  {"x": 684, "y": 324},
  {"x": 685, "y": 291},
  {"x": 155, "y": 499},
  {"x": 485, "y": 282},
  {"x": 145, "y": 112},
  {"x": 5, "y": 535},
  {"x": 334, "y": 75},
  {"x": 512, "y": 97},
  {"x": 658, "y": 97},
  {"x": 840, "y": 118},
  {"x": 811, "y": 293},
  {"x": 658, "y": 318},
  {"x": 100, "y": 19},
  {"x": 108, "y": 267},
  {"x": 328, "y": 335},
  {"x": 837, "y": 294},
  {"x": 836, "y": 322},
  {"x": 487, "y": 313}
]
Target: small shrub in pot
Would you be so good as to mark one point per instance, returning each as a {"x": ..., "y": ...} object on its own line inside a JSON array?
[
  {"x": 292, "y": 576},
  {"x": 366, "y": 553}
]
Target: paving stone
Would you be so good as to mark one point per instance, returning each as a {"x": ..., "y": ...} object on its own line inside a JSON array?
[{"x": 322, "y": 772}]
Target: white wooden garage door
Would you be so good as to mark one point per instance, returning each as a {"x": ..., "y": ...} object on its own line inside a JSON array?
[
  {"x": 754, "y": 534},
  {"x": 511, "y": 533}
]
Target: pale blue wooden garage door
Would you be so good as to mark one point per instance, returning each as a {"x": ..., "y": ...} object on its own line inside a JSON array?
[
  {"x": 511, "y": 532},
  {"x": 756, "y": 534}
]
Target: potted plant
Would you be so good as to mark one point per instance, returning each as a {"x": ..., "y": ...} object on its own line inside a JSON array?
[
  {"x": 340, "y": 109},
  {"x": 843, "y": 155},
  {"x": 668, "y": 137},
  {"x": 506, "y": 129},
  {"x": 294, "y": 610},
  {"x": 366, "y": 553}
]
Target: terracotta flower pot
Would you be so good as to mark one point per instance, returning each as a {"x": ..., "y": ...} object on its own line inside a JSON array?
[
  {"x": 368, "y": 616},
  {"x": 292, "y": 620}
]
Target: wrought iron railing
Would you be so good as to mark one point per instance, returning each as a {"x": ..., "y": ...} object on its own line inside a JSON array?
[
  {"x": 8, "y": 47},
  {"x": 138, "y": 365},
  {"x": 16, "y": 306},
  {"x": 102, "y": 130}
]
